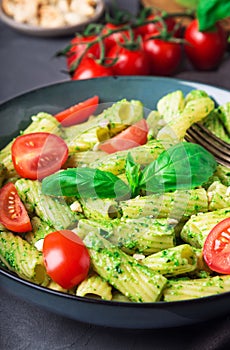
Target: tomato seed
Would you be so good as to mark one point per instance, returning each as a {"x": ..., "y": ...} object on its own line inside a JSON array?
[
  {"x": 14, "y": 216},
  {"x": 224, "y": 234}
]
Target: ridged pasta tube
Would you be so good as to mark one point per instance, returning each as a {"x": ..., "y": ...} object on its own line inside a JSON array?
[
  {"x": 90, "y": 138},
  {"x": 155, "y": 122},
  {"x": 44, "y": 122},
  {"x": 196, "y": 288},
  {"x": 215, "y": 125},
  {"x": 95, "y": 285},
  {"x": 143, "y": 155},
  {"x": 40, "y": 230},
  {"x": 170, "y": 204},
  {"x": 123, "y": 272},
  {"x": 202, "y": 270},
  {"x": 218, "y": 196},
  {"x": 198, "y": 226},
  {"x": 145, "y": 235},
  {"x": 117, "y": 296},
  {"x": 171, "y": 105},
  {"x": 22, "y": 258},
  {"x": 224, "y": 115},
  {"x": 99, "y": 209},
  {"x": 54, "y": 286},
  {"x": 195, "y": 95},
  {"x": 223, "y": 173},
  {"x": 194, "y": 111},
  {"x": 79, "y": 159},
  {"x": 54, "y": 211},
  {"x": 169, "y": 108},
  {"x": 84, "y": 141},
  {"x": 173, "y": 261}
]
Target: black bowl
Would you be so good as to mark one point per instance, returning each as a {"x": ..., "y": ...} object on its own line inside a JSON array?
[{"x": 14, "y": 115}]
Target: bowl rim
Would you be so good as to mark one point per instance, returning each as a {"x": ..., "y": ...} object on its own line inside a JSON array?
[{"x": 126, "y": 304}]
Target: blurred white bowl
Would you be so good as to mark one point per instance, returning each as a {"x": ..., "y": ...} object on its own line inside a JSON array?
[{"x": 52, "y": 32}]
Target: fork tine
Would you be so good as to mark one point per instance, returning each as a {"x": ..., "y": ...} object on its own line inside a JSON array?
[
  {"x": 217, "y": 139},
  {"x": 200, "y": 133},
  {"x": 219, "y": 148}
]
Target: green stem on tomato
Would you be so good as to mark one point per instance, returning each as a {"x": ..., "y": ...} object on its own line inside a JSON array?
[
  {"x": 93, "y": 29},
  {"x": 104, "y": 60},
  {"x": 93, "y": 42}
]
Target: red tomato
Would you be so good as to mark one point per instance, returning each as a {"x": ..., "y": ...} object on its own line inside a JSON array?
[
  {"x": 135, "y": 135},
  {"x": 79, "y": 46},
  {"x": 38, "y": 155},
  {"x": 90, "y": 68},
  {"x": 78, "y": 113},
  {"x": 156, "y": 27},
  {"x": 164, "y": 56},
  {"x": 206, "y": 49},
  {"x": 129, "y": 62},
  {"x": 66, "y": 258},
  {"x": 216, "y": 249},
  {"x": 13, "y": 214},
  {"x": 114, "y": 38}
]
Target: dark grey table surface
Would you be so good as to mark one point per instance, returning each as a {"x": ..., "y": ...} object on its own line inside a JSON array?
[{"x": 27, "y": 63}]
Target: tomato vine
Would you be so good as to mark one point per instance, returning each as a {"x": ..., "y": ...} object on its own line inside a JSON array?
[{"x": 157, "y": 37}]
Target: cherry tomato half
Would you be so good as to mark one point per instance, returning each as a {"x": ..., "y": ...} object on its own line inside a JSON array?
[
  {"x": 164, "y": 56},
  {"x": 66, "y": 258},
  {"x": 78, "y": 113},
  {"x": 129, "y": 61},
  {"x": 90, "y": 68},
  {"x": 114, "y": 38},
  {"x": 38, "y": 155},
  {"x": 135, "y": 135},
  {"x": 216, "y": 249},
  {"x": 206, "y": 49},
  {"x": 13, "y": 214}
]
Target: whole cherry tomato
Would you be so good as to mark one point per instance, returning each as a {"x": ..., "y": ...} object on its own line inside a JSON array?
[
  {"x": 164, "y": 56},
  {"x": 114, "y": 38},
  {"x": 90, "y": 68},
  {"x": 13, "y": 214},
  {"x": 66, "y": 258},
  {"x": 129, "y": 61},
  {"x": 206, "y": 49},
  {"x": 79, "y": 46},
  {"x": 155, "y": 28},
  {"x": 216, "y": 249}
]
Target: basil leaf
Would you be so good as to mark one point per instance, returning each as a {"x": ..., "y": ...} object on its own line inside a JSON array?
[
  {"x": 132, "y": 172},
  {"x": 183, "y": 166},
  {"x": 86, "y": 183},
  {"x": 211, "y": 11}
]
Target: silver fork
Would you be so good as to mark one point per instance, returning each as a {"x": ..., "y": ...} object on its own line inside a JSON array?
[{"x": 220, "y": 149}]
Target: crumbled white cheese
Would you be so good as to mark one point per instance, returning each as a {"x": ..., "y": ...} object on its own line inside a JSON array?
[
  {"x": 138, "y": 257},
  {"x": 76, "y": 207},
  {"x": 39, "y": 244}
]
